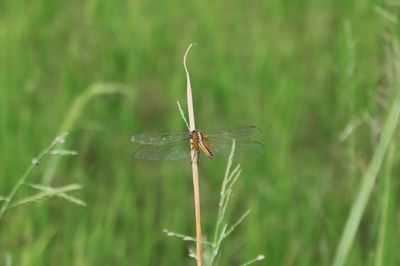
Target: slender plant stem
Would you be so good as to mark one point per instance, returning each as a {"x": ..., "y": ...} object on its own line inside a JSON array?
[
  {"x": 385, "y": 198},
  {"x": 366, "y": 187},
  {"x": 195, "y": 168},
  {"x": 35, "y": 162},
  {"x": 75, "y": 111}
]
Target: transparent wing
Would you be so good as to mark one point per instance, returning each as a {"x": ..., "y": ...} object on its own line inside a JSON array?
[
  {"x": 160, "y": 138},
  {"x": 238, "y": 133},
  {"x": 175, "y": 151},
  {"x": 242, "y": 148}
]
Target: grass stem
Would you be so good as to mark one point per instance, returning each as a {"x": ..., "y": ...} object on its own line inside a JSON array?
[
  {"x": 358, "y": 208},
  {"x": 195, "y": 166},
  {"x": 21, "y": 181}
]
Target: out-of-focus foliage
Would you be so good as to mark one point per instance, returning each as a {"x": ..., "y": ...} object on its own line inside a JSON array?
[{"x": 302, "y": 71}]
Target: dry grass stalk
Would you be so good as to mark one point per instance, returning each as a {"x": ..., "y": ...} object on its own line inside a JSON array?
[{"x": 195, "y": 169}]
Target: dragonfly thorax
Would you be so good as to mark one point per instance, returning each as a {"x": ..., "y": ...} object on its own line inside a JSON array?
[{"x": 198, "y": 141}]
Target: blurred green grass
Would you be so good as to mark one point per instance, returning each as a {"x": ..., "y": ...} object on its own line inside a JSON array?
[{"x": 280, "y": 65}]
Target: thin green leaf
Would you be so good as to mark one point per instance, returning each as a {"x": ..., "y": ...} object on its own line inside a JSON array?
[
  {"x": 258, "y": 258},
  {"x": 367, "y": 184},
  {"x": 63, "y": 152}
]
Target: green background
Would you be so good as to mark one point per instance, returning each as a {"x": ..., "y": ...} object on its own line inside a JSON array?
[{"x": 300, "y": 70}]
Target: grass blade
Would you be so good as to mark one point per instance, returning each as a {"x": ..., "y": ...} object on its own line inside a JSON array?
[
  {"x": 385, "y": 196},
  {"x": 367, "y": 184},
  {"x": 59, "y": 140},
  {"x": 48, "y": 192},
  {"x": 75, "y": 111},
  {"x": 258, "y": 258}
]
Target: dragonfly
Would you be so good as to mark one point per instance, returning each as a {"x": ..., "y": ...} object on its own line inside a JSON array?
[{"x": 214, "y": 143}]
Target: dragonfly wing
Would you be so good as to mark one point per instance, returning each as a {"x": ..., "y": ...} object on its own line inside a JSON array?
[
  {"x": 238, "y": 133},
  {"x": 160, "y": 138},
  {"x": 175, "y": 151},
  {"x": 242, "y": 148}
]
